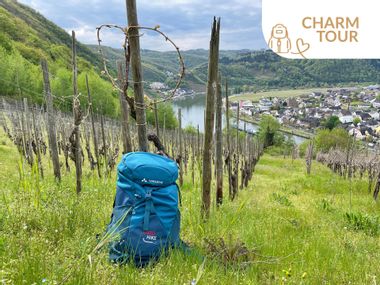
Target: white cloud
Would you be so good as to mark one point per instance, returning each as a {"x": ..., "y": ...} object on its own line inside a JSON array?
[{"x": 188, "y": 22}]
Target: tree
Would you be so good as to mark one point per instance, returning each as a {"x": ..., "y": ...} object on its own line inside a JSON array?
[
  {"x": 331, "y": 123},
  {"x": 356, "y": 121},
  {"x": 191, "y": 130},
  {"x": 268, "y": 130},
  {"x": 327, "y": 139},
  {"x": 165, "y": 112}
]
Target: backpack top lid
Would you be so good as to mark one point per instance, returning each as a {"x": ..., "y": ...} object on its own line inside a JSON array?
[{"x": 147, "y": 168}]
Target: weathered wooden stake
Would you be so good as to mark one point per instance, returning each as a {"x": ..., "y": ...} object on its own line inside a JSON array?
[
  {"x": 38, "y": 148},
  {"x": 237, "y": 162},
  {"x": 209, "y": 118},
  {"x": 51, "y": 121},
  {"x": 77, "y": 118},
  {"x": 309, "y": 157},
  {"x": 105, "y": 146},
  {"x": 94, "y": 137},
  {"x": 229, "y": 154},
  {"x": 156, "y": 119},
  {"x": 124, "y": 111},
  {"x": 28, "y": 142},
  {"x": 134, "y": 42},
  {"x": 219, "y": 145},
  {"x": 164, "y": 130},
  {"x": 180, "y": 147}
]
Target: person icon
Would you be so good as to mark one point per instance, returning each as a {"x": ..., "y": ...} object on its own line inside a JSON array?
[{"x": 279, "y": 41}]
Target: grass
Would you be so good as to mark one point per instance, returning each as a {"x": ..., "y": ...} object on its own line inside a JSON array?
[
  {"x": 255, "y": 97},
  {"x": 296, "y": 224}
]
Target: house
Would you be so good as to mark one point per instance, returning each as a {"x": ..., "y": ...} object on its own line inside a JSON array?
[
  {"x": 333, "y": 101},
  {"x": 312, "y": 122},
  {"x": 345, "y": 117},
  {"x": 247, "y": 105},
  {"x": 363, "y": 116},
  {"x": 265, "y": 104},
  {"x": 373, "y": 87},
  {"x": 158, "y": 86},
  {"x": 376, "y": 103},
  {"x": 355, "y": 132},
  {"x": 292, "y": 102}
]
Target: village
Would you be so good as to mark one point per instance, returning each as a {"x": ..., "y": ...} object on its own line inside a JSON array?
[
  {"x": 164, "y": 90},
  {"x": 356, "y": 108}
]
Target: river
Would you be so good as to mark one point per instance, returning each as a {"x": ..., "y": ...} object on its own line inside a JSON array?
[{"x": 193, "y": 114}]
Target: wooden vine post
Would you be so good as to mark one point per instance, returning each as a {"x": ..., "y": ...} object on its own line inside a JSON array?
[
  {"x": 94, "y": 137},
  {"x": 28, "y": 141},
  {"x": 51, "y": 129},
  {"x": 127, "y": 144},
  {"x": 180, "y": 160},
  {"x": 219, "y": 145},
  {"x": 229, "y": 156},
  {"x": 37, "y": 143},
  {"x": 209, "y": 117},
  {"x": 75, "y": 137},
  {"x": 309, "y": 156},
  {"x": 134, "y": 42},
  {"x": 156, "y": 119}
]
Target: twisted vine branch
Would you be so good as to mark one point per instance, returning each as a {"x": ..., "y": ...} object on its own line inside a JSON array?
[{"x": 124, "y": 87}]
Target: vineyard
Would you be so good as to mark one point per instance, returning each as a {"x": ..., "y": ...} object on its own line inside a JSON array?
[{"x": 254, "y": 209}]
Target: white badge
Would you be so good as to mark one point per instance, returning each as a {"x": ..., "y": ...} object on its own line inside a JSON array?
[{"x": 322, "y": 28}]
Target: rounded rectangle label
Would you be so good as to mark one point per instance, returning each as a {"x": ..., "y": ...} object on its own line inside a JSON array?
[{"x": 322, "y": 28}]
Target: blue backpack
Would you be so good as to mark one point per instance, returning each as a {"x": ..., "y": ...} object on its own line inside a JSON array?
[{"x": 145, "y": 220}]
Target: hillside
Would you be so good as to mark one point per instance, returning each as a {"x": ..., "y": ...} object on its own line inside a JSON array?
[
  {"x": 257, "y": 70},
  {"x": 26, "y": 37},
  {"x": 296, "y": 224}
]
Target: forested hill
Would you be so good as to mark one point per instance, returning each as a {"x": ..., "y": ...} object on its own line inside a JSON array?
[
  {"x": 26, "y": 37},
  {"x": 258, "y": 69},
  {"x": 34, "y": 35}
]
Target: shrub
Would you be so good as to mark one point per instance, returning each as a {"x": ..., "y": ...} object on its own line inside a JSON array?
[
  {"x": 331, "y": 123},
  {"x": 326, "y": 205},
  {"x": 363, "y": 222},
  {"x": 336, "y": 138},
  {"x": 230, "y": 253},
  {"x": 268, "y": 130},
  {"x": 282, "y": 199}
]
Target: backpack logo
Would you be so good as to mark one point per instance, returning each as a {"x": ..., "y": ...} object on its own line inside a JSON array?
[
  {"x": 150, "y": 237},
  {"x": 144, "y": 180}
]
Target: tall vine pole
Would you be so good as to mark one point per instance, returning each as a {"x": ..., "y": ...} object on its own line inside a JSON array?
[
  {"x": 94, "y": 137},
  {"x": 75, "y": 136},
  {"x": 180, "y": 158},
  {"x": 51, "y": 128},
  {"x": 124, "y": 111},
  {"x": 219, "y": 144},
  {"x": 229, "y": 156},
  {"x": 134, "y": 42},
  {"x": 209, "y": 117}
]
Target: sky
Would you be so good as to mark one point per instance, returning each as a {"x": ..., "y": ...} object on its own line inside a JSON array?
[{"x": 186, "y": 22}]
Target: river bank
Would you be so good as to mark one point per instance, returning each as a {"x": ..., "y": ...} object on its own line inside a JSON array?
[{"x": 283, "y": 129}]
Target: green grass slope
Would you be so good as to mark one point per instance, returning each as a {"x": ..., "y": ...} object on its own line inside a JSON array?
[{"x": 296, "y": 223}]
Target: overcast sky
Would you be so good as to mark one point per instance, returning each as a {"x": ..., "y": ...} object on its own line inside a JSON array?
[{"x": 187, "y": 22}]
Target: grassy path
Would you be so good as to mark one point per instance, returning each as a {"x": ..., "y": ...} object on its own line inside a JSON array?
[{"x": 295, "y": 222}]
